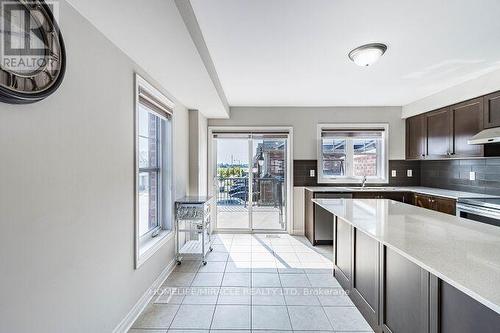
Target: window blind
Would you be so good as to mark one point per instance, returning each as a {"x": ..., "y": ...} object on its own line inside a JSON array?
[
  {"x": 154, "y": 103},
  {"x": 352, "y": 133}
]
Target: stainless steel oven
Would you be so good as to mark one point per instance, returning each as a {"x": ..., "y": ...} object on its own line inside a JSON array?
[{"x": 485, "y": 210}]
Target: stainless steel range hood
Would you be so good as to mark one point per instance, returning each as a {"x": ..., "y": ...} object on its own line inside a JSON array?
[{"x": 490, "y": 135}]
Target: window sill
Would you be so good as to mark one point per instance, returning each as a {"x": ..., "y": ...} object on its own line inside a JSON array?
[{"x": 150, "y": 247}]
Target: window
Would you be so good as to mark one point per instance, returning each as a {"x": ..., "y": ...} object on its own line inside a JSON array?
[
  {"x": 154, "y": 204},
  {"x": 349, "y": 152}
]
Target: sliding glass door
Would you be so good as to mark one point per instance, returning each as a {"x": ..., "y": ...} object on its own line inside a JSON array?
[
  {"x": 231, "y": 182},
  {"x": 269, "y": 171},
  {"x": 250, "y": 181}
]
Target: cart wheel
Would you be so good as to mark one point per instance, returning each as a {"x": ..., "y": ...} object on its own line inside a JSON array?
[
  {"x": 211, "y": 249},
  {"x": 179, "y": 262},
  {"x": 204, "y": 263}
]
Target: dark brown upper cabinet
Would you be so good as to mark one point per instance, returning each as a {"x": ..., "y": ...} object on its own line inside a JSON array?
[
  {"x": 438, "y": 124},
  {"x": 467, "y": 121},
  {"x": 492, "y": 110},
  {"x": 415, "y": 137},
  {"x": 444, "y": 133}
]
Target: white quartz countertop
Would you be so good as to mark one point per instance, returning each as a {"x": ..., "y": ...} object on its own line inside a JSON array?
[
  {"x": 416, "y": 189},
  {"x": 463, "y": 253}
]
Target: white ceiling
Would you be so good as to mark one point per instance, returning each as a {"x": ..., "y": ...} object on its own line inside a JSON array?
[
  {"x": 294, "y": 52},
  {"x": 153, "y": 34}
]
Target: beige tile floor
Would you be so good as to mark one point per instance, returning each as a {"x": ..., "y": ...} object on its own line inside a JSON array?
[{"x": 253, "y": 283}]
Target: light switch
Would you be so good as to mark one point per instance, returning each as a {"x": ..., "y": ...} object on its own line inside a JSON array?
[
  {"x": 472, "y": 175},
  {"x": 312, "y": 173},
  {"x": 393, "y": 173},
  {"x": 409, "y": 173}
]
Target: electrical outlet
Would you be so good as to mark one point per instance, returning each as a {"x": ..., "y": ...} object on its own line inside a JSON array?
[
  {"x": 472, "y": 175},
  {"x": 312, "y": 173},
  {"x": 393, "y": 173},
  {"x": 409, "y": 173}
]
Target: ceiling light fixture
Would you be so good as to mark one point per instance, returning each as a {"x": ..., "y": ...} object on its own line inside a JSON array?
[{"x": 367, "y": 54}]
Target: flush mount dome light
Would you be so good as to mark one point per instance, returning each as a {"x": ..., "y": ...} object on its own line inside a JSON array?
[{"x": 368, "y": 54}]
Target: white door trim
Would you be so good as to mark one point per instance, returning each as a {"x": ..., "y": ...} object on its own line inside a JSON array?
[{"x": 212, "y": 160}]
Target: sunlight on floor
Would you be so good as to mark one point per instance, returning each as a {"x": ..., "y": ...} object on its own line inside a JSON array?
[
  {"x": 254, "y": 282},
  {"x": 264, "y": 218}
]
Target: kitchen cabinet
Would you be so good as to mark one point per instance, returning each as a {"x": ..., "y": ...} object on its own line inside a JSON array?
[
  {"x": 396, "y": 295},
  {"x": 318, "y": 222},
  {"x": 342, "y": 240},
  {"x": 318, "y": 225},
  {"x": 443, "y": 205},
  {"x": 444, "y": 133},
  {"x": 415, "y": 137},
  {"x": 404, "y": 294},
  {"x": 438, "y": 142},
  {"x": 365, "y": 280},
  {"x": 309, "y": 216},
  {"x": 396, "y": 196},
  {"x": 467, "y": 121},
  {"x": 459, "y": 313},
  {"x": 424, "y": 201},
  {"x": 492, "y": 110}
]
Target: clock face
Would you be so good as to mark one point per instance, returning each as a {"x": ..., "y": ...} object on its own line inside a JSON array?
[{"x": 32, "y": 52}]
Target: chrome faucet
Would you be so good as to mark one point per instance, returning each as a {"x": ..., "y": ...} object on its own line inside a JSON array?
[{"x": 363, "y": 182}]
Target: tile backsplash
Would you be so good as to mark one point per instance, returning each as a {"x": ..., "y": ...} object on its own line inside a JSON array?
[
  {"x": 301, "y": 173},
  {"x": 455, "y": 175},
  {"x": 447, "y": 174}
]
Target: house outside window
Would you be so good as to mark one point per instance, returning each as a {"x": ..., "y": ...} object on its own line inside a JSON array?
[{"x": 347, "y": 153}]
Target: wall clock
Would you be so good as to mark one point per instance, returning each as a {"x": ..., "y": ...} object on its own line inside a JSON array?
[{"x": 33, "y": 58}]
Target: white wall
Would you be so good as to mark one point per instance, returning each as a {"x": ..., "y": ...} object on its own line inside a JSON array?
[
  {"x": 482, "y": 85},
  {"x": 198, "y": 153},
  {"x": 66, "y": 195},
  {"x": 304, "y": 121},
  {"x": 202, "y": 155},
  {"x": 154, "y": 35}
]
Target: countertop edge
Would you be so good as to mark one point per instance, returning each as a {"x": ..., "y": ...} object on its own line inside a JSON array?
[{"x": 424, "y": 190}]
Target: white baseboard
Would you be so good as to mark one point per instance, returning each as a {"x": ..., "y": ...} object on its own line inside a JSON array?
[
  {"x": 136, "y": 310},
  {"x": 298, "y": 233}
]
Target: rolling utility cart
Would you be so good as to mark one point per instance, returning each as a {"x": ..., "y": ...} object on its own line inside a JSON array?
[{"x": 192, "y": 216}]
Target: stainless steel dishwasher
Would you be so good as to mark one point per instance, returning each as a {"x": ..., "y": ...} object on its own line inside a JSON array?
[{"x": 323, "y": 222}]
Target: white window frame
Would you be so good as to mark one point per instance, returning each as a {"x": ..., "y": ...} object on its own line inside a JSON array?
[
  {"x": 383, "y": 157},
  {"x": 151, "y": 242}
]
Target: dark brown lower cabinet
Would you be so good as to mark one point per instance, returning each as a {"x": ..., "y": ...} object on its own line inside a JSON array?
[
  {"x": 365, "y": 280},
  {"x": 395, "y": 295},
  {"x": 443, "y": 205},
  {"x": 459, "y": 313},
  {"x": 422, "y": 200},
  {"x": 309, "y": 216},
  {"x": 404, "y": 295},
  {"x": 342, "y": 238},
  {"x": 396, "y": 196}
]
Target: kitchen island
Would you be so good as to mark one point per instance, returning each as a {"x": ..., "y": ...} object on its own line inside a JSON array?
[
  {"x": 410, "y": 269},
  {"x": 319, "y": 231}
]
